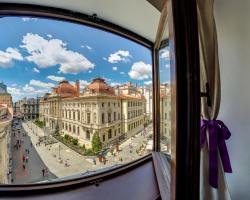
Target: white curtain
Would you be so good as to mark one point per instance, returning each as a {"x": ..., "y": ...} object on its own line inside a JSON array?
[{"x": 210, "y": 73}]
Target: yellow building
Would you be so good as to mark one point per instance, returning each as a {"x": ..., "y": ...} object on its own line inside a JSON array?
[{"x": 97, "y": 109}]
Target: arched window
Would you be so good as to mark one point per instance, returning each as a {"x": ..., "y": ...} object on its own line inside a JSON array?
[
  {"x": 88, "y": 118},
  {"x": 109, "y": 134},
  {"x": 103, "y": 118},
  {"x": 69, "y": 128},
  {"x": 66, "y": 127},
  {"x": 78, "y": 113},
  {"x": 87, "y": 135},
  {"x": 94, "y": 120},
  {"x": 78, "y": 130},
  {"x": 74, "y": 129},
  {"x": 109, "y": 117}
]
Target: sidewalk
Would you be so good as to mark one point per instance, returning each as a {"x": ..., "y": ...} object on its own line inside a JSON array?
[
  {"x": 78, "y": 163},
  {"x": 50, "y": 154}
]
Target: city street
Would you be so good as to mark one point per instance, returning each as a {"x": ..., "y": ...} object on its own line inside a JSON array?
[
  {"x": 78, "y": 164},
  {"x": 34, "y": 166},
  {"x": 47, "y": 156}
]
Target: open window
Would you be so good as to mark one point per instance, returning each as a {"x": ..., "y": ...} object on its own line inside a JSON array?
[{"x": 108, "y": 100}]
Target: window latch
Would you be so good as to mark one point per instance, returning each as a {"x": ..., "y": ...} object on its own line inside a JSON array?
[
  {"x": 96, "y": 182},
  {"x": 207, "y": 95}
]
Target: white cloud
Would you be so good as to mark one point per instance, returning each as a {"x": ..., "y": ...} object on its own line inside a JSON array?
[
  {"x": 55, "y": 78},
  {"x": 140, "y": 71},
  {"x": 7, "y": 57},
  {"x": 28, "y": 88},
  {"x": 87, "y": 47},
  {"x": 36, "y": 70},
  {"x": 106, "y": 79},
  {"x": 14, "y": 85},
  {"x": 104, "y": 58},
  {"x": 119, "y": 56},
  {"x": 147, "y": 82},
  {"x": 122, "y": 73},
  {"x": 51, "y": 52},
  {"x": 14, "y": 91},
  {"x": 83, "y": 83},
  {"x": 49, "y": 36},
  {"x": 165, "y": 54},
  {"x": 90, "y": 71},
  {"x": 41, "y": 84},
  {"x": 113, "y": 84},
  {"x": 26, "y": 19},
  {"x": 167, "y": 66},
  {"x": 115, "y": 68}
]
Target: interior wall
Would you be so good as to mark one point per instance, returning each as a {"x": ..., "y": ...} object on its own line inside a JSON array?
[{"x": 233, "y": 27}]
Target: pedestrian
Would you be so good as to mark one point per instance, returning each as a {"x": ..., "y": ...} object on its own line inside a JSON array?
[
  {"x": 27, "y": 159},
  {"x": 23, "y": 166},
  {"x": 23, "y": 158},
  {"x": 31, "y": 144},
  {"x": 28, "y": 151},
  {"x": 94, "y": 161},
  {"x": 43, "y": 171}
]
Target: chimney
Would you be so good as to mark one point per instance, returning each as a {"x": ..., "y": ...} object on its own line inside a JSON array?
[{"x": 77, "y": 88}]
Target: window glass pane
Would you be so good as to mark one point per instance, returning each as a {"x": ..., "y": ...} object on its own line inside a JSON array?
[
  {"x": 165, "y": 100},
  {"x": 73, "y": 100}
]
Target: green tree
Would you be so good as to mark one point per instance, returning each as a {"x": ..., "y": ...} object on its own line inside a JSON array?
[{"x": 96, "y": 143}]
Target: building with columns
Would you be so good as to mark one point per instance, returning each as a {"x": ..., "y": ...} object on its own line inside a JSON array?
[
  {"x": 27, "y": 108},
  {"x": 97, "y": 109}
]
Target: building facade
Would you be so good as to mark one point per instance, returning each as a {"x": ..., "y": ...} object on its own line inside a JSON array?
[
  {"x": 147, "y": 92},
  {"x": 6, "y": 116},
  {"x": 165, "y": 116},
  {"x": 27, "y": 108},
  {"x": 97, "y": 109},
  {"x": 5, "y": 97}
]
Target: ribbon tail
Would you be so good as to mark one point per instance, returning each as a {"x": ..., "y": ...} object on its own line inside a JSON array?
[
  {"x": 224, "y": 156},
  {"x": 213, "y": 157}
]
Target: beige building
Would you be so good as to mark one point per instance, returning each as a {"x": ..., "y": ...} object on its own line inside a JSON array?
[
  {"x": 27, "y": 108},
  {"x": 6, "y": 116},
  {"x": 165, "y": 118},
  {"x": 5, "y": 97},
  {"x": 97, "y": 109}
]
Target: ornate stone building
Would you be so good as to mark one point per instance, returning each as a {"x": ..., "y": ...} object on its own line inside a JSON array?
[
  {"x": 165, "y": 118},
  {"x": 97, "y": 109},
  {"x": 27, "y": 108},
  {"x": 5, "y": 97}
]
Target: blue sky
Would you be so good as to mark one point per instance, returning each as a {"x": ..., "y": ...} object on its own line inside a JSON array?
[{"x": 36, "y": 53}]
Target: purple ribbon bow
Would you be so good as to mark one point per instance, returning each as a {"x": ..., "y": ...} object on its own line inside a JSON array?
[{"x": 218, "y": 133}]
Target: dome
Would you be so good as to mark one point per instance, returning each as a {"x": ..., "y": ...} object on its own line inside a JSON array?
[
  {"x": 99, "y": 85},
  {"x": 65, "y": 88}
]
